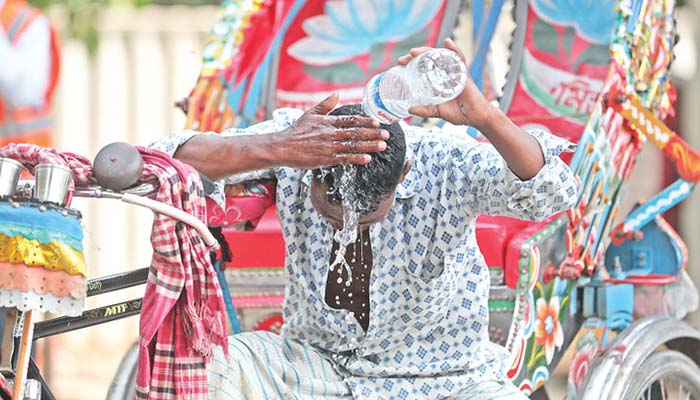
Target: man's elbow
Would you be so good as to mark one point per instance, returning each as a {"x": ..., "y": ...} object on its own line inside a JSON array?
[
  {"x": 566, "y": 194},
  {"x": 564, "y": 197}
]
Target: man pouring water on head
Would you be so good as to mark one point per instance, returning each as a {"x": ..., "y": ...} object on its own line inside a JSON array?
[{"x": 386, "y": 292}]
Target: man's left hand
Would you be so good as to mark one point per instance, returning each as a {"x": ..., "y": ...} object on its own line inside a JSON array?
[{"x": 469, "y": 108}]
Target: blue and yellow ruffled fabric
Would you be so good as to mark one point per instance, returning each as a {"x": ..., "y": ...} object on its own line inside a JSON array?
[
  {"x": 41, "y": 259},
  {"x": 45, "y": 239}
]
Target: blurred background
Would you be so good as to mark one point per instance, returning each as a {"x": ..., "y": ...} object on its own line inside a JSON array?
[{"x": 124, "y": 64}]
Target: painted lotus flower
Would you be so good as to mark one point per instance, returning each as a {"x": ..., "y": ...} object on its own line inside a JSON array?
[
  {"x": 548, "y": 330},
  {"x": 350, "y": 27},
  {"x": 593, "y": 19}
]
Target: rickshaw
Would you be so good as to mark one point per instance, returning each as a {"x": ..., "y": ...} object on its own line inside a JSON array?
[{"x": 609, "y": 290}]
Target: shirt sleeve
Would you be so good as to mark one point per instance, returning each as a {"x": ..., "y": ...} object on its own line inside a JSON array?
[
  {"x": 493, "y": 189},
  {"x": 281, "y": 119}
]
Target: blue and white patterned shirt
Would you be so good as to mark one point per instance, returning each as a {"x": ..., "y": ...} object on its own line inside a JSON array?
[{"x": 429, "y": 284}]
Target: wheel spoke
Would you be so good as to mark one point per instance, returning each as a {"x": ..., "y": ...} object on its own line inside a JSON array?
[
  {"x": 663, "y": 389},
  {"x": 647, "y": 396},
  {"x": 682, "y": 394}
]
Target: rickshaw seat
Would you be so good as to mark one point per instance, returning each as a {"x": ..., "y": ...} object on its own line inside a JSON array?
[
  {"x": 262, "y": 247},
  {"x": 493, "y": 234}
]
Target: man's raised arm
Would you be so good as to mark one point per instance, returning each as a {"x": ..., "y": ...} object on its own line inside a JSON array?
[
  {"x": 520, "y": 150},
  {"x": 523, "y": 177},
  {"x": 313, "y": 141}
]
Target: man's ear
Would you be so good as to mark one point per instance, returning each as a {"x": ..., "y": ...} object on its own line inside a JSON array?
[{"x": 406, "y": 168}]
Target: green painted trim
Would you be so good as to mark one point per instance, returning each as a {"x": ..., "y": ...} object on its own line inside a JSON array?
[{"x": 501, "y": 304}]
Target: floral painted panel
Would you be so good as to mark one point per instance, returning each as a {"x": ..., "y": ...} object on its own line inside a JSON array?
[{"x": 337, "y": 45}]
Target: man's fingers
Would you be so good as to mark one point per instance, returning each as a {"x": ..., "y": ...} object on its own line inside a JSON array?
[
  {"x": 352, "y": 159},
  {"x": 325, "y": 106},
  {"x": 405, "y": 59},
  {"x": 414, "y": 52},
  {"x": 354, "y": 121},
  {"x": 419, "y": 50},
  {"x": 450, "y": 44},
  {"x": 424, "y": 111},
  {"x": 361, "y": 134},
  {"x": 359, "y": 146}
]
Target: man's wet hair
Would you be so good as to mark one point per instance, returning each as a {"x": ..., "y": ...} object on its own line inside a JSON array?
[{"x": 376, "y": 179}]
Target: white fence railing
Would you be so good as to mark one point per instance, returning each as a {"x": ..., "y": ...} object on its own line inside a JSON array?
[{"x": 146, "y": 59}]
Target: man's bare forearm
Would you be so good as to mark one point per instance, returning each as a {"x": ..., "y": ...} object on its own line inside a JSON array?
[
  {"x": 314, "y": 140},
  {"x": 520, "y": 150},
  {"x": 218, "y": 156}
]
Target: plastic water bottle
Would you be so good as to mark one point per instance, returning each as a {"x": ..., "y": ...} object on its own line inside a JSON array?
[{"x": 434, "y": 77}]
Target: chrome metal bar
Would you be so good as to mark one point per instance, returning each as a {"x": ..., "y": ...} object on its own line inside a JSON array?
[
  {"x": 90, "y": 317},
  {"x": 119, "y": 281},
  {"x": 145, "y": 189}
]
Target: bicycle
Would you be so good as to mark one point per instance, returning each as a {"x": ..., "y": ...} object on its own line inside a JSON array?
[{"x": 20, "y": 330}]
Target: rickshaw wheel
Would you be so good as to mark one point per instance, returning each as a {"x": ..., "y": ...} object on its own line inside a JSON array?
[
  {"x": 665, "y": 374},
  {"x": 123, "y": 385}
]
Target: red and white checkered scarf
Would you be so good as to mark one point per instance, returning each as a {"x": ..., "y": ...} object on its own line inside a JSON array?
[{"x": 183, "y": 313}]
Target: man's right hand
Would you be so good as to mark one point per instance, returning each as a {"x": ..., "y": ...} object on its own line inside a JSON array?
[
  {"x": 317, "y": 140},
  {"x": 314, "y": 140}
]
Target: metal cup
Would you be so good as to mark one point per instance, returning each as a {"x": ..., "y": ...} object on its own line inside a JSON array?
[
  {"x": 10, "y": 171},
  {"x": 52, "y": 182}
]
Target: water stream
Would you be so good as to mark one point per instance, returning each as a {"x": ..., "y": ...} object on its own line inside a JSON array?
[{"x": 344, "y": 177}]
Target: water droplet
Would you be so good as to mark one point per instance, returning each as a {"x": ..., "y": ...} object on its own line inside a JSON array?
[
  {"x": 349, "y": 294},
  {"x": 347, "y": 283},
  {"x": 364, "y": 305},
  {"x": 340, "y": 280}
]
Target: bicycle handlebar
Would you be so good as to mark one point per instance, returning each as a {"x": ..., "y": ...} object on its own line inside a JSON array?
[
  {"x": 118, "y": 166},
  {"x": 176, "y": 213}
]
